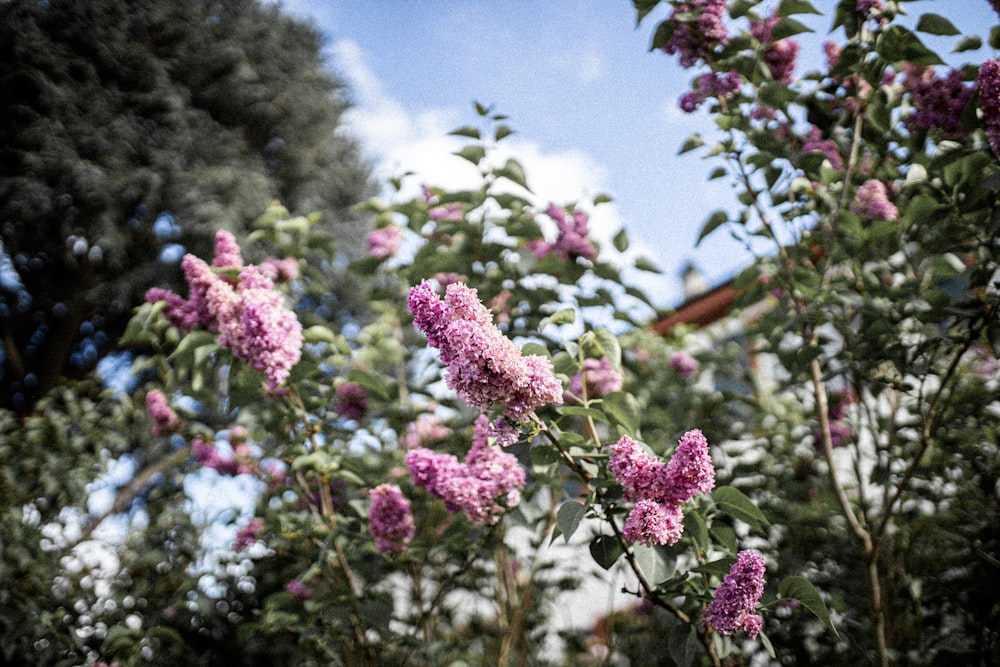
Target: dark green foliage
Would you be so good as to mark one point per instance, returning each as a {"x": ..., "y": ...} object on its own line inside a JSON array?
[{"x": 114, "y": 113}]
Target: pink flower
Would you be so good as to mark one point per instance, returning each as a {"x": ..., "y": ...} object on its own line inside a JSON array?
[
  {"x": 651, "y": 523},
  {"x": 573, "y": 239},
  {"x": 601, "y": 379},
  {"x": 660, "y": 490},
  {"x": 694, "y": 40},
  {"x": 165, "y": 420},
  {"x": 483, "y": 487},
  {"x": 642, "y": 476},
  {"x": 426, "y": 429},
  {"x": 735, "y": 602},
  {"x": 259, "y": 329},
  {"x": 828, "y": 147},
  {"x": 451, "y": 211},
  {"x": 690, "y": 470},
  {"x": 710, "y": 85},
  {"x": 248, "y": 534},
  {"x": 384, "y": 243},
  {"x": 872, "y": 202},
  {"x": 484, "y": 368},
  {"x": 938, "y": 102},
  {"x": 390, "y": 520},
  {"x": 683, "y": 364},
  {"x": 780, "y": 55},
  {"x": 989, "y": 101},
  {"x": 280, "y": 270},
  {"x": 227, "y": 251},
  {"x": 352, "y": 400},
  {"x": 246, "y": 312},
  {"x": 208, "y": 455},
  {"x": 298, "y": 590}
]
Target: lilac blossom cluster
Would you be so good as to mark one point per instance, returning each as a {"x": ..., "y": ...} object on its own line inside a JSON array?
[
  {"x": 597, "y": 377},
  {"x": 937, "y": 101},
  {"x": 248, "y": 534},
  {"x": 989, "y": 101},
  {"x": 384, "y": 242},
  {"x": 484, "y": 486},
  {"x": 828, "y": 147},
  {"x": 573, "y": 239},
  {"x": 660, "y": 490},
  {"x": 390, "y": 520},
  {"x": 352, "y": 401},
  {"x": 709, "y": 85},
  {"x": 427, "y": 428},
  {"x": 840, "y": 430},
  {"x": 872, "y": 202},
  {"x": 780, "y": 55},
  {"x": 735, "y": 603},
  {"x": 245, "y": 311},
  {"x": 208, "y": 455},
  {"x": 684, "y": 364},
  {"x": 696, "y": 39},
  {"x": 165, "y": 420},
  {"x": 484, "y": 367}
]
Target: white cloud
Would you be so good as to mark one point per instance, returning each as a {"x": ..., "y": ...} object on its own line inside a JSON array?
[{"x": 400, "y": 140}]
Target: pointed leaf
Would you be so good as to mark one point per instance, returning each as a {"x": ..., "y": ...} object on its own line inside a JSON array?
[
  {"x": 800, "y": 588},
  {"x": 734, "y": 503},
  {"x": 623, "y": 408},
  {"x": 606, "y": 550},
  {"x": 564, "y": 316},
  {"x": 935, "y": 24},
  {"x": 502, "y": 131},
  {"x": 715, "y": 220},
  {"x": 609, "y": 344},
  {"x": 467, "y": 131},
  {"x": 683, "y": 644},
  {"x": 653, "y": 563},
  {"x": 789, "y": 7},
  {"x": 512, "y": 170},
  {"x": 643, "y": 264},
  {"x": 788, "y": 27},
  {"x": 569, "y": 516},
  {"x": 968, "y": 43},
  {"x": 692, "y": 142},
  {"x": 620, "y": 241},
  {"x": 473, "y": 154}
]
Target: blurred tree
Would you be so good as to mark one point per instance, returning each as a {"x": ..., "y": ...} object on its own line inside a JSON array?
[{"x": 124, "y": 129}]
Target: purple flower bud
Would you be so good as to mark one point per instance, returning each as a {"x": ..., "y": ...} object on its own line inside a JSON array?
[
  {"x": 390, "y": 520},
  {"x": 735, "y": 602}
]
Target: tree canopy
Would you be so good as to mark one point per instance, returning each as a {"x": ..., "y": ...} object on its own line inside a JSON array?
[{"x": 131, "y": 131}]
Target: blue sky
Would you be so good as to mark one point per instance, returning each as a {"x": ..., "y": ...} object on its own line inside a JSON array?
[{"x": 594, "y": 111}]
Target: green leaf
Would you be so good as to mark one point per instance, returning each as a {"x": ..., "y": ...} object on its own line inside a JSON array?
[
  {"x": 653, "y": 563},
  {"x": 569, "y": 516},
  {"x": 564, "y": 316},
  {"x": 606, "y": 550},
  {"x": 788, "y": 27},
  {"x": 502, "y": 131},
  {"x": 513, "y": 171},
  {"x": 935, "y": 24},
  {"x": 473, "y": 154},
  {"x": 602, "y": 199},
  {"x": 691, "y": 143},
  {"x": 719, "y": 567},
  {"x": 995, "y": 37},
  {"x": 373, "y": 383},
  {"x": 724, "y": 536},
  {"x": 643, "y": 264},
  {"x": 789, "y": 7},
  {"x": 968, "y": 43},
  {"x": 734, "y": 503},
  {"x": 623, "y": 408},
  {"x": 609, "y": 345},
  {"x": 620, "y": 240},
  {"x": 643, "y": 8},
  {"x": 580, "y": 411},
  {"x": 683, "y": 644},
  {"x": 896, "y": 44},
  {"x": 319, "y": 334},
  {"x": 715, "y": 220},
  {"x": 799, "y": 588},
  {"x": 699, "y": 530},
  {"x": 467, "y": 131},
  {"x": 767, "y": 645}
]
